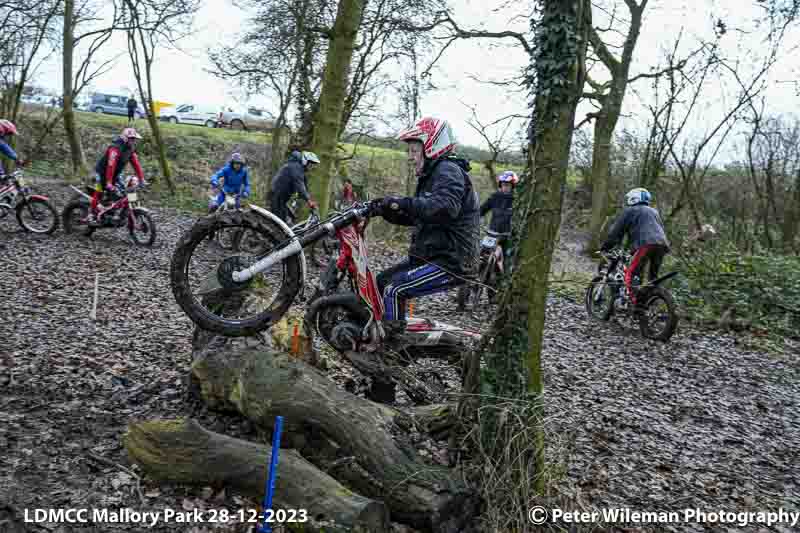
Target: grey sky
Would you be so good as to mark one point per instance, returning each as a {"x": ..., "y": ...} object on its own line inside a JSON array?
[{"x": 180, "y": 75}]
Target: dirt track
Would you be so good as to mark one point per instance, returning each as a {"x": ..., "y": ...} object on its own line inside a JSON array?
[{"x": 699, "y": 422}]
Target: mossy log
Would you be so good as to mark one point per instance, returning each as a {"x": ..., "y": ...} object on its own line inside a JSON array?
[
  {"x": 182, "y": 451},
  {"x": 262, "y": 383}
]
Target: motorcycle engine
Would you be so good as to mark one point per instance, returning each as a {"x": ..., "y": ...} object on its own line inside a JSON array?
[{"x": 339, "y": 327}]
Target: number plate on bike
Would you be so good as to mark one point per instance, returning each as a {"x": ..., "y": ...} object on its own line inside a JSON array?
[
  {"x": 230, "y": 201},
  {"x": 489, "y": 242},
  {"x": 132, "y": 197},
  {"x": 22, "y": 182}
]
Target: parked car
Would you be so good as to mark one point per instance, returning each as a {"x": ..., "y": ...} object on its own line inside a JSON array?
[
  {"x": 111, "y": 104},
  {"x": 252, "y": 119},
  {"x": 198, "y": 114}
]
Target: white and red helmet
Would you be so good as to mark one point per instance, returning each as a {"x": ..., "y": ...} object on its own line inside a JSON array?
[
  {"x": 7, "y": 127},
  {"x": 436, "y": 136},
  {"x": 509, "y": 176},
  {"x": 129, "y": 133}
]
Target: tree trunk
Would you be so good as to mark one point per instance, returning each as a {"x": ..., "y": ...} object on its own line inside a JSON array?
[
  {"x": 328, "y": 117},
  {"x": 491, "y": 173},
  {"x": 74, "y": 140},
  {"x": 182, "y": 451},
  {"x": 601, "y": 163},
  {"x": 608, "y": 116},
  {"x": 513, "y": 360},
  {"x": 163, "y": 162},
  {"x": 261, "y": 384}
]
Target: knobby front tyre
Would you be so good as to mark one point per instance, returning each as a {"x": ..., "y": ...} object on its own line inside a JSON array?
[
  {"x": 39, "y": 210},
  {"x": 211, "y": 308},
  {"x": 599, "y": 292}
]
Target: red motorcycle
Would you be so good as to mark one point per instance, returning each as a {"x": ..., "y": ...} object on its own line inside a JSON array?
[
  {"x": 266, "y": 275},
  {"x": 35, "y": 213},
  {"x": 123, "y": 211}
]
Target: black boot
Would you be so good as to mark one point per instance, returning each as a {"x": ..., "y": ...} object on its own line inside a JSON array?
[{"x": 394, "y": 328}]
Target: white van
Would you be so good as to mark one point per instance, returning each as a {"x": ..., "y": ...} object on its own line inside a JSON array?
[{"x": 198, "y": 114}]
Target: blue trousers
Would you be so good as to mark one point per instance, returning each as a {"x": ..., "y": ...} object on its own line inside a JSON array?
[{"x": 406, "y": 280}]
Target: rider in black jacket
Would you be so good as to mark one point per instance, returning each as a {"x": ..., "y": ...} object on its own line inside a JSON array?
[
  {"x": 444, "y": 214},
  {"x": 500, "y": 203},
  {"x": 291, "y": 180}
]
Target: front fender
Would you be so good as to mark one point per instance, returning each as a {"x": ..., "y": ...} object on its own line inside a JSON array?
[
  {"x": 289, "y": 234},
  {"x": 38, "y": 197}
]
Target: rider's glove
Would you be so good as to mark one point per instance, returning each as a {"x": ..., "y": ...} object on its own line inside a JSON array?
[
  {"x": 245, "y": 194},
  {"x": 396, "y": 203}
]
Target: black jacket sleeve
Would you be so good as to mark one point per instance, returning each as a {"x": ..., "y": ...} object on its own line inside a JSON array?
[
  {"x": 618, "y": 230},
  {"x": 401, "y": 218},
  {"x": 444, "y": 203},
  {"x": 299, "y": 181},
  {"x": 487, "y": 205}
]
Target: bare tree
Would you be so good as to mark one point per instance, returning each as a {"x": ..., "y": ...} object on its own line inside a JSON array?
[
  {"x": 260, "y": 69},
  {"x": 303, "y": 30},
  {"x": 29, "y": 37},
  {"x": 153, "y": 24},
  {"x": 696, "y": 157},
  {"x": 498, "y": 136},
  {"x": 610, "y": 96},
  {"x": 773, "y": 154},
  {"x": 74, "y": 81}
]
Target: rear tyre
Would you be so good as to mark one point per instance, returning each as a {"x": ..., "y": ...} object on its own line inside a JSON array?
[
  {"x": 658, "y": 318},
  {"x": 483, "y": 281},
  {"x": 74, "y": 218}
]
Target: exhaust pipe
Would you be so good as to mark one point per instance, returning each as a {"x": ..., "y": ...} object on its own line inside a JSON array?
[{"x": 347, "y": 300}]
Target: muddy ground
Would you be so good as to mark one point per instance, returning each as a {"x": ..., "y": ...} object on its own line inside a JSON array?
[{"x": 699, "y": 422}]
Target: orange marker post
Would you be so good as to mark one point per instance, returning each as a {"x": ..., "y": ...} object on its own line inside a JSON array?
[{"x": 296, "y": 340}]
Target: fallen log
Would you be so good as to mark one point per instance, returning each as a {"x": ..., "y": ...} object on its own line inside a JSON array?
[
  {"x": 261, "y": 383},
  {"x": 182, "y": 451}
]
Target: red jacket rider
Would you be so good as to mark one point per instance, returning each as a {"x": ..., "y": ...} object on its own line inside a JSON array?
[{"x": 110, "y": 166}]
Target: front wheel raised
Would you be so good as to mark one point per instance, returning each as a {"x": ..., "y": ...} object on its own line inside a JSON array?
[
  {"x": 201, "y": 274},
  {"x": 658, "y": 316}
]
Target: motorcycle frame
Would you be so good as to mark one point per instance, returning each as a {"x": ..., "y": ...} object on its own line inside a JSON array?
[
  {"x": 14, "y": 190},
  {"x": 122, "y": 203},
  {"x": 354, "y": 260}
]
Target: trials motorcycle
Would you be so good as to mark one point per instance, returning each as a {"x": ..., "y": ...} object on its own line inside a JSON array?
[
  {"x": 123, "y": 211},
  {"x": 267, "y": 273}
]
